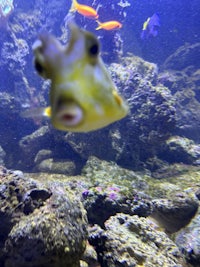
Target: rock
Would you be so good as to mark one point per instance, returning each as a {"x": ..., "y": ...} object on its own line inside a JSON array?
[
  {"x": 108, "y": 201},
  {"x": 41, "y": 225},
  {"x": 12, "y": 126},
  {"x": 168, "y": 171},
  {"x": 170, "y": 201},
  {"x": 2, "y": 156},
  {"x": 181, "y": 149},
  {"x": 184, "y": 56},
  {"x": 30, "y": 204},
  {"x": 55, "y": 166},
  {"x": 181, "y": 75},
  {"x": 35, "y": 138},
  {"x": 33, "y": 143},
  {"x": 133, "y": 241},
  {"x": 42, "y": 155},
  {"x": 173, "y": 79},
  {"x": 114, "y": 190},
  {"x": 90, "y": 257},
  {"x": 84, "y": 144},
  {"x": 174, "y": 214},
  {"x": 188, "y": 241}
]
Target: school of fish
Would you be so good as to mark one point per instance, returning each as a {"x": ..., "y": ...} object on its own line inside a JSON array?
[
  {"x": 149, "y": 29},
  {"x": 91, "y": 13}
]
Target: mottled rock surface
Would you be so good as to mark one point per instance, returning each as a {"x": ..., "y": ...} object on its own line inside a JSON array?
[
  {"x": 132, "y": 241},
  {"x": 188, "y": 240},
  {"x": 2, "y": 155},
  {"x": 55, "y": 166},
  {"x": 40, "y": 225},
  {"x": 113, "y": 190},
  {"x": 31, "y": 144},
  {"x": 170, "y": 201},
  {"x": 90, "y": 258},
  {"x": 184, "y": 56},
  {"x": 181, "y": 149},
  {"x": 174, "y": 214},
  {"x": 34, "y": 205},
  {"x": 181, "y": 75}
]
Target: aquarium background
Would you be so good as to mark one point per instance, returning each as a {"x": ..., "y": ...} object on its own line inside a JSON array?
[
  {"x": 127, "y": 191},
  {"x": 22, "y": 88}
]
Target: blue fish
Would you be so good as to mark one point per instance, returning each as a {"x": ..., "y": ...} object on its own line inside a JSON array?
[{"x": 150, "y": 27}]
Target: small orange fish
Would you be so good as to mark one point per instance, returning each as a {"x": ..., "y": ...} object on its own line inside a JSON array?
[
  {"x": 84, "y": 10},
  {"x": 109, "y": 25}
]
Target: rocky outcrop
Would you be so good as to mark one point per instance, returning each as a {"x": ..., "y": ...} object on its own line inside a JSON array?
[
  {"x": 180, "y": 73},
  {"x": 40, "y": 225},
  {"x": 180, "y": 149},
  {"x": 133, "y": 241},
  {"x": 184, "y": 56},
  {"x": 174, "y": 214},
  {"x": 2, "y": 156},
  {"x": 189, "y": 243},
  {"x": 45, "y": 210}
]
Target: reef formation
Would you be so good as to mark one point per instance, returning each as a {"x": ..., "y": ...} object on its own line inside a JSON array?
[{"x": 107, "y": 216}]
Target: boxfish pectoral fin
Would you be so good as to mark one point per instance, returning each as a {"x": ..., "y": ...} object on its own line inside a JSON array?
[{"x": 36, "y": 112}]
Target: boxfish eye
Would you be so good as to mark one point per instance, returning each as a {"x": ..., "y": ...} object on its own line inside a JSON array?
[
  {"x": 92, "y": 46},
  {"x": 39, "y": 68},
  {"x": 94, "y": 50}
]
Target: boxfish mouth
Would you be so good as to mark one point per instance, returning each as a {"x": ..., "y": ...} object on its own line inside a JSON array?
[{"x": 68, "y": 113}]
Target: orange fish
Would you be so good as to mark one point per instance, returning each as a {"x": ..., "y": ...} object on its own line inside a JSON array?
[
  {"x": 109, "y": 25},
  {"x": 84, "y": 10}
]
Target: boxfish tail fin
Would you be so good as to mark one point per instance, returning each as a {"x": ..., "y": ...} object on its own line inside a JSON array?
[
  {"x": 99, "y": 23},
  {"x": 37, "y": 112}
]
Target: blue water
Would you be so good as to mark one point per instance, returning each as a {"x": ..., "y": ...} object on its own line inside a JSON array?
[{"x": 179, "y": 23}]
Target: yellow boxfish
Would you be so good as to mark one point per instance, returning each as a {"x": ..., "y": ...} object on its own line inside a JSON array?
[{"x": 83, "y": 97}]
